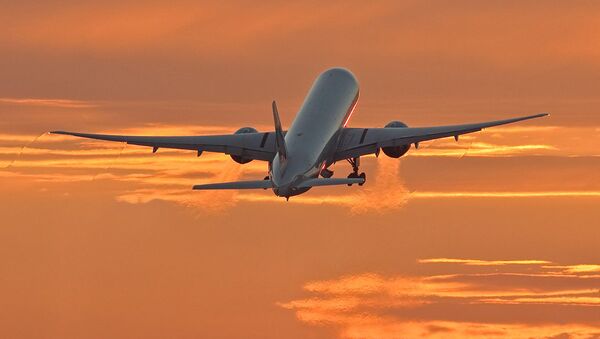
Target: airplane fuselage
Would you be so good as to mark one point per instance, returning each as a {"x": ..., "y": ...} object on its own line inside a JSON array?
[{"x": 315, "y": 132}]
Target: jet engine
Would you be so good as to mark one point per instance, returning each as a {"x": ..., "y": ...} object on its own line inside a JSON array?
[
  {"x": 395, "y": 151},
  {"x": 238, "y": 158}
]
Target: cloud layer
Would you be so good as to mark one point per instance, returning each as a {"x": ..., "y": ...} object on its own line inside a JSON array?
[
  {"x": 542, "y": 302},
  {"x": 169, "y": 174}
]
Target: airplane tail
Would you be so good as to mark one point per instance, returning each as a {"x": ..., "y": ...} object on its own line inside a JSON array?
[
  {"x": 279, "y": 139},
  {"x": 282, "y": 152}
]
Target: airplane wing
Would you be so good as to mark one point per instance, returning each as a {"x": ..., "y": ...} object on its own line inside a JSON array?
[
  {"x": 355, "y": 142},
  {"x": 258, "y": 146}
]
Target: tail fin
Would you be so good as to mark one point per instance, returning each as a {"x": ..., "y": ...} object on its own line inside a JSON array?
[{"x": 279, "y": 140}]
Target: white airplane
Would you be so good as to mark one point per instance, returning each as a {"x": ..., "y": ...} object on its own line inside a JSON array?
[{"x": 317, "y": 139}]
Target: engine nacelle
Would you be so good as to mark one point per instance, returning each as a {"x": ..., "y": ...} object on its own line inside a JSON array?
[
  {"x": 237, "y": 158},
  {"x": 395, "y": 151}
]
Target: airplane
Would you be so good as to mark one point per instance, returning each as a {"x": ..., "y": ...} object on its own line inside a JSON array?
[{"x": 299, "y": 158}]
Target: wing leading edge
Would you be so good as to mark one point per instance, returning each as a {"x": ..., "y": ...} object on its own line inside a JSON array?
[
  {"x": 258, "y": 146},
  {"x": 361, "y": 141}
]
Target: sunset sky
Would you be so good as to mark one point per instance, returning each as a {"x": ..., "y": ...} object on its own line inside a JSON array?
[{"x": 496, "y": 235}]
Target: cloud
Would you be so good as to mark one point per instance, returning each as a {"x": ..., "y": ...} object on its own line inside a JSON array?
[
  {"x": 459, "y": 305},
  {"x": 169, "y": 174},
  {"x": 515, "y": 141},
  {"x": 576, "y": 268},
  {"x": 484, "y": 149},
  {"x": 478, "y": 262},
  {"x": 63, "y": 103},
  {"x": 505, "y": 194},
  {"x": 186, "y": 27}
]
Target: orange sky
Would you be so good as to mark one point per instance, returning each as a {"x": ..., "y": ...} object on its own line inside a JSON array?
[{"x": 494, "y": 236}]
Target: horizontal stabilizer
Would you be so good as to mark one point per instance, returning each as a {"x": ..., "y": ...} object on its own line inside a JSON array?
[
  {"x": 236, "y": 185},
  {"x": 330, "y": 182}
]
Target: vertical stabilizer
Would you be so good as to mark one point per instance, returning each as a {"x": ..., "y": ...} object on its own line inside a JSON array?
[{"x": 279, "y": 140}]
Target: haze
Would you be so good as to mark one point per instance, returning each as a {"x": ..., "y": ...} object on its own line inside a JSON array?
[{"x": 494, "y": 236}]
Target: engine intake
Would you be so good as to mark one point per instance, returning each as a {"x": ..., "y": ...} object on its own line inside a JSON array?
[
  {"x": 238, "y": 158},
  {"x": 395, "y": 151}
]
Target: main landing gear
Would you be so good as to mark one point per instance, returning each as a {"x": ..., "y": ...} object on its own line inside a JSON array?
[{"x": 355, "y": 162}]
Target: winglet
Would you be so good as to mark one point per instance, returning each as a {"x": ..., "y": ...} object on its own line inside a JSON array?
[{"x": 279, "y": 140}]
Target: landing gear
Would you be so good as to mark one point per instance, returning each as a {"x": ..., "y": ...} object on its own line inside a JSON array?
[
  {"x": 355, "y": 162},
  {"x": 356, "y": 175}
]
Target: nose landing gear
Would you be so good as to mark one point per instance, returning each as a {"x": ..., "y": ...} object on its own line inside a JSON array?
[{"x": 355, "y": 162}]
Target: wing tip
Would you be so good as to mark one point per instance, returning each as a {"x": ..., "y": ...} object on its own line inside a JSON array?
[{"x": 539, "y": 115}]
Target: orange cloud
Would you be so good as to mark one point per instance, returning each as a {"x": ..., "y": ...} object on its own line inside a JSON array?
[
  {"x": 185, "y": 27},
  {"x": 513, "y": 141},
  {"x": 483, "y": 149},
  {"x": 576, "y": 268},
  {"x": 455, "y": 306},
  {"x": 478, "y": 262},
  {"x": 63, "y": 103},
  {"x": 500, "y": 194},
  {"x": 169, "y": 174},
  {"x": 179, "y": 25}
]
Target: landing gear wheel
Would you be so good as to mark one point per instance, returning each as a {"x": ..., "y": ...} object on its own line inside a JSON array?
[
  {"x": 355, "y": 162},
  {"x": 364, "y": 177},
  {"x": 352, "y": 176}
]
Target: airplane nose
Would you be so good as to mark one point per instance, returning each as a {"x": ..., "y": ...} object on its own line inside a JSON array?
[
  {"x": 282, "y": 191},
  {"x": 289, "y": 191}
]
